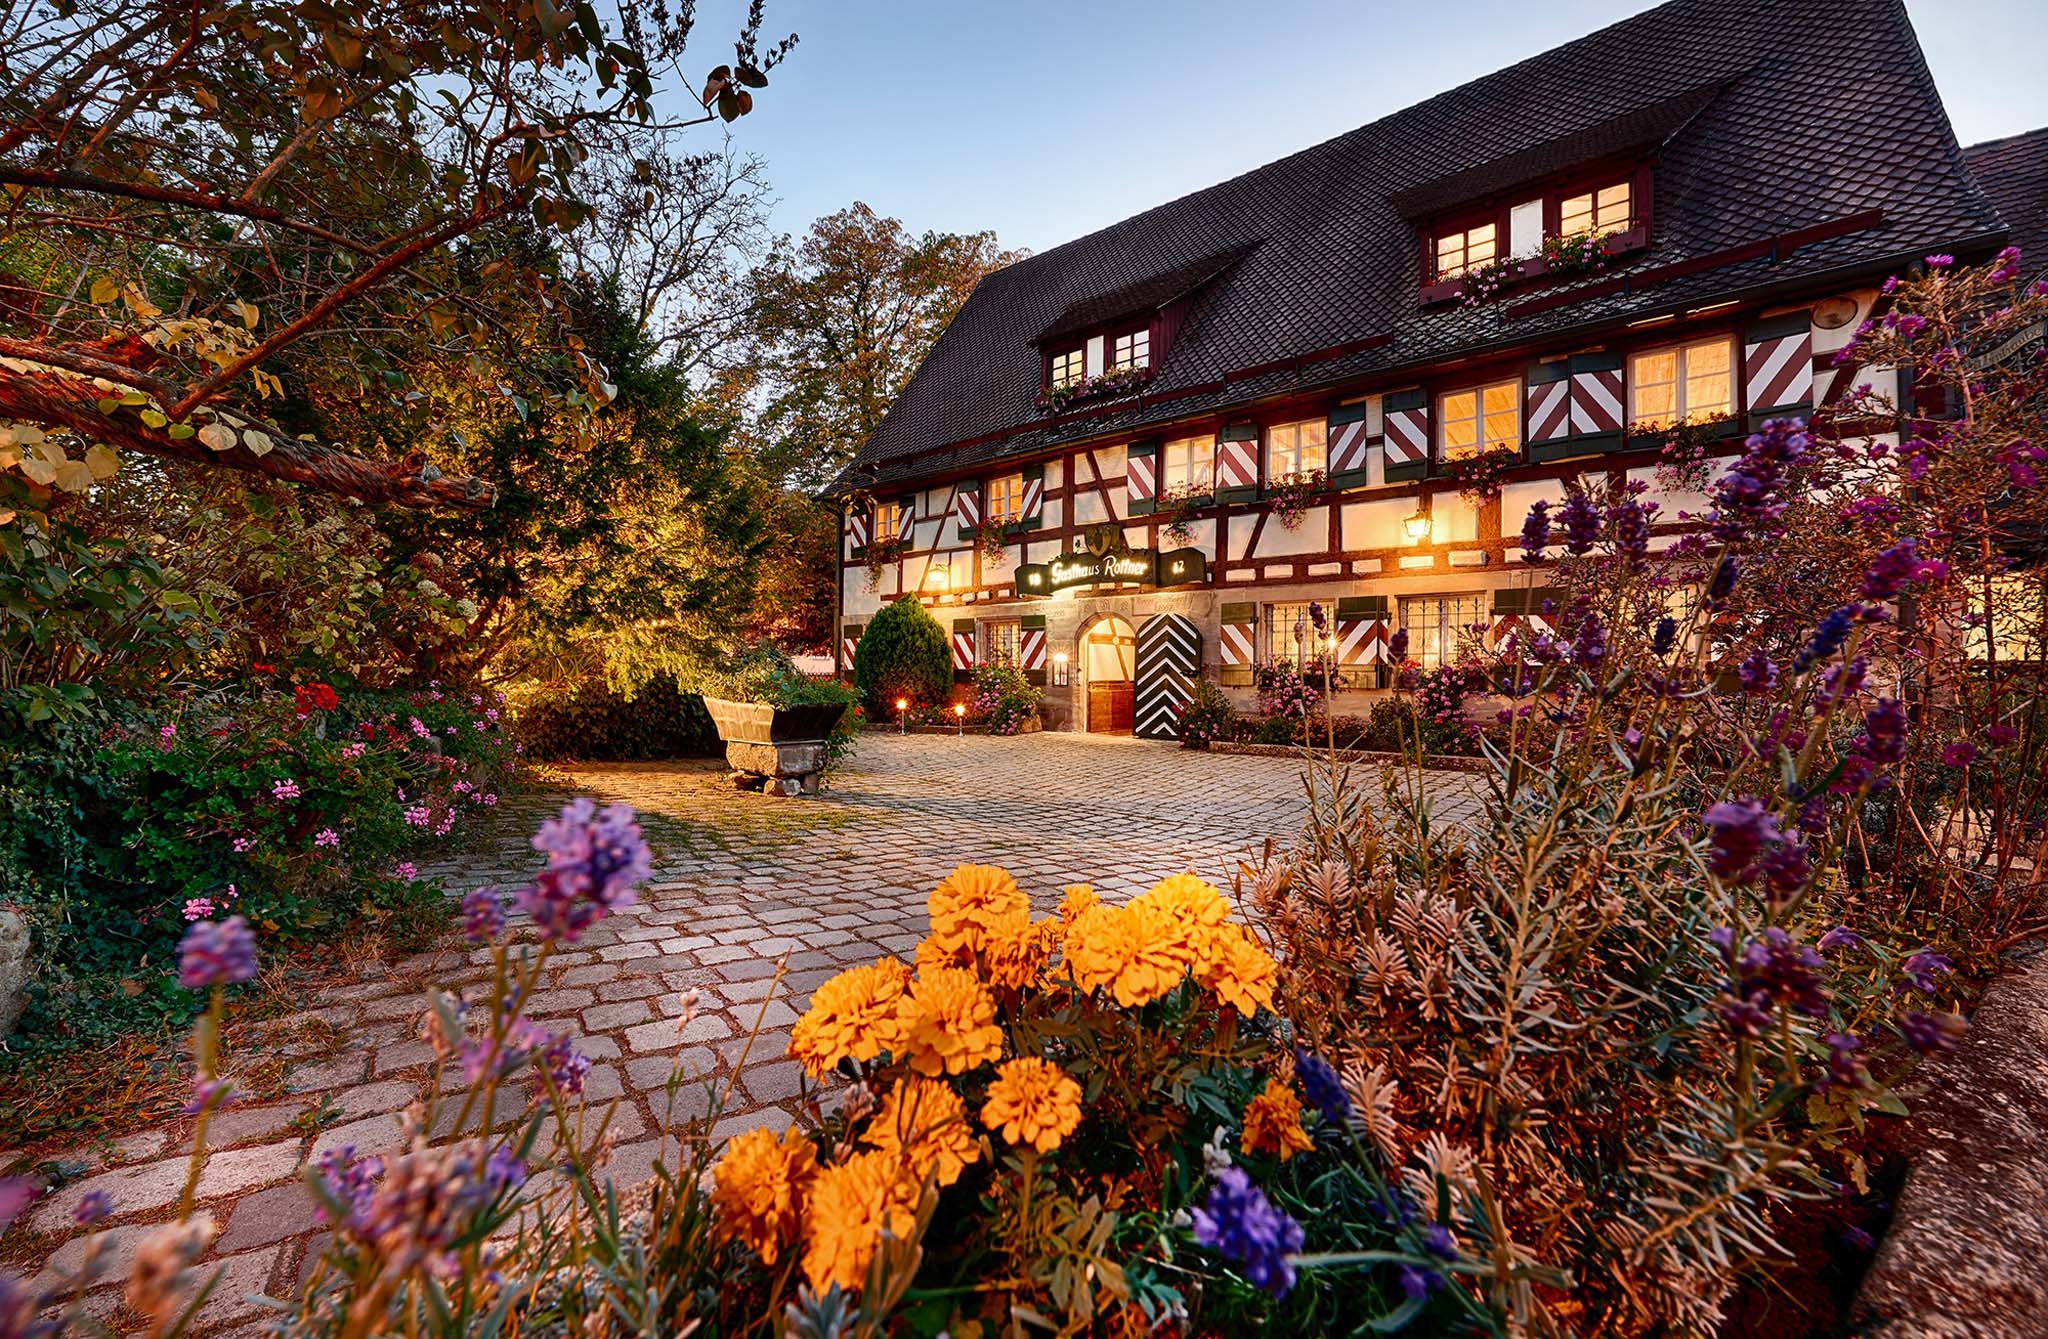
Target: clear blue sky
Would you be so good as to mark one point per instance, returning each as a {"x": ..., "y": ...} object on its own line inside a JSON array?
[{"x": 1048, "y": 119}]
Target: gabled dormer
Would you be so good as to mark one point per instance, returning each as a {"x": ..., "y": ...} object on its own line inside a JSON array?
[{"x": 1113, "y": 343}]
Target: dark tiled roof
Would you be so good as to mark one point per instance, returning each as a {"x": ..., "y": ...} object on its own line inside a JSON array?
[
  {"x": 1147, "y": 295},
  {"x": 2014, "y": 173},
  {"x": 1822, "y": 112}
]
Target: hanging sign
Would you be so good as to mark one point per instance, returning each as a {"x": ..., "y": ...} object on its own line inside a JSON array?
[{"x": 1109, "y": 561}]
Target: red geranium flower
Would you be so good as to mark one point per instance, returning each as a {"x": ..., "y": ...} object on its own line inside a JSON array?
[{"x": 312, "y": 697}]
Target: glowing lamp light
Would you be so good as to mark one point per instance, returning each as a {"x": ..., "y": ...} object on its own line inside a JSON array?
[
  {"x": 1417, "y": 525},
  {"x": 960, "y": 709},
  {"x": 902, "y": 703}
]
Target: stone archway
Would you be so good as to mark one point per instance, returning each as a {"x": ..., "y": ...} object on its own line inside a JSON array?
[{"x": 1108, "y": 649}]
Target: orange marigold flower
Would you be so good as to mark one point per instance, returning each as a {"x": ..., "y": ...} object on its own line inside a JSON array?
[
  {"x": 924, "y": 1122},
  {"x": 1016, "y": 952},
  {"x": 854, "y": 1014},
  {"x": 969, "y": 902},
  {"x": 1238, "y": 970},
  {"x": 1078, "y": 897},
  {"x": 850, "y": 1206},
  {"x": 948, "y": 1022},
  {"x": 1272, "y": 1123},
  {"x": 1132, "y": 951},
  {"x": 1188, "y": 911},
  {"x": 757, "y": 1189},
  {"x": 1032, "y": 1101}
]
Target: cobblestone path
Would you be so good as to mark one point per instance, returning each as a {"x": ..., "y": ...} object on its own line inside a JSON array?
[{"x": 744, "y": 886}]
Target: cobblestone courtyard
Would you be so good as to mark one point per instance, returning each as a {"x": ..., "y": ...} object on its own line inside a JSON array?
[{"x": 743, "y": 884}]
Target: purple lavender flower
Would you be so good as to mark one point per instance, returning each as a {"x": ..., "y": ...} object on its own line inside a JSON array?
[
  {"x": 1922, "y": 967},
  {"x": 565, "y": 1066},
  {"x": 1841, "y": 937},
  {"x": 1773, "y": 970},
  {"x": 1664, "y": 636},
  {"x": 216, "y": 953},
  {"x": 1581, "y": 524},
  {"x": 1891, "y": 570},
  {"x": 94, "y": 1208},
  {"x": 483, "y": 915},
  {"x": 1319, "y": 1083},
  {"x": 1416, "y": 1284},
  {"x": 1857, "y": 1239},
  {"x": 1397, "y": 645},
  {"x": 1884, "y": 732},
  {"x": 596, "y": 859},
  {"x": 1929, "y": 1033},
  {"x": 1589, "y": 646},
  {"x": 1438, "y": 1241},
  {"x": 1959, "y": 754},
  {"x": 2007, "y": 264},
  {"x": 1787, "y": 868},
  {"x": 349, "y": 1181},
  {"x": 1845, "y": 1068},
  {"x": 210, "y": 1095},
  {"x": 1757, "y": 673},
  {"x": 1827, "y": 638},
  {"x": 1738, "y": 830},
  {"x": 1318, "y": 617},
  {"x": 1722, "y": 584},
  {"x": 1628, "y": 529},
  {"x": 1536, "y": 532},
  {"x": 1752, "y": 494},
  {"x": 1241, "y": 1225}
]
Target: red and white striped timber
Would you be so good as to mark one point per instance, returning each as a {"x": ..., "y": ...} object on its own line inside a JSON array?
[
  {"x": 1034, "y": 498},
  {"x": 966, "y": 506},
  {"x": 1407, "y": 435},
  {"x": 1235, "y": 642},
  {"x": 1141, "y": 478},
  {"x": 906, "y": 521},
  {"x": 1361, "y": 641},
  {"x": 857, "y": 528},
  {"x": 1237, "y": 464},
  {"x": 1031, "y": 649},
  {"x": 846, "y": 645},
  {"x": 1778, "y": 371},
  {"x": 1550, "y": 410},
  {"x": 1347, "y": 448},
  {"x": 963, "y": 650},
  {"x": 1596, "y": 401}
]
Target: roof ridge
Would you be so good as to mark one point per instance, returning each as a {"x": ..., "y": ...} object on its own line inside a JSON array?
[{"x": 2001, "y": 141}]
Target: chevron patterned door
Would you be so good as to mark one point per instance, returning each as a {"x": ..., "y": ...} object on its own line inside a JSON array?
[{"x": 1169, "y": 661}]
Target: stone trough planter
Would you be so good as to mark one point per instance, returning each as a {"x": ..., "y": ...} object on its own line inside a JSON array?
[{"x": 778, "y": 749}]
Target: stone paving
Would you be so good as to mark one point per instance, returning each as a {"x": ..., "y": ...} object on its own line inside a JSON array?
[{"x": 744, "y": 886}]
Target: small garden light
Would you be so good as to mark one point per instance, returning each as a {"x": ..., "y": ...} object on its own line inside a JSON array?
[
  {"x": 960, "y": 719},
  {"x": 902, "y": 722}
]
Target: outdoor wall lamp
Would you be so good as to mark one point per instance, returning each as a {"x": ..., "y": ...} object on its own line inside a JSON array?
[
  {"x": 1418, "y": 524},
  {"x": 902, "y": 715},
  {"x": 1059, "y": 670}
]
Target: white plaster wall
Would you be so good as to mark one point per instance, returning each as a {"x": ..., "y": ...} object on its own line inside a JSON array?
[
  {"x": 1452, "y": 518},
  {"x": 1238, "y": 535},
  {"x": 1516, "y": 499},
  {"x": 1311, "y": 536},
  {"x": 1376, "y": 525},
  {"x": 1052, "y": 512},
  {"x": 1088, "y": 509},
  {"x": 1110, "y": 460}
]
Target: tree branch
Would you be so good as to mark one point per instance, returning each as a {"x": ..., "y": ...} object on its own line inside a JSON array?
[
  {"x": 58, "y": 401},
  {"x": 54, "y": 180}
]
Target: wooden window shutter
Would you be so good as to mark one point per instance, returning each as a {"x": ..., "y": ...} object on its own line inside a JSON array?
[
  {"x": 1406, "y": 416},
  {"x": 1363, "y": 627},
  {"x": 859, "y": 518},
  {"x": 1547, "y": 409},
  {"x": 906, "y": 518},
  {"x": 1237, "y": 463},
  {"x": 967, "y": 507},
  {"x": 1238, "y": 644},
  {"x": 1599, "y": 402},
  {"x": 1031, "y": 647},
  {"x": 1777, "y": 367},
  {"x": 1141, "y": 477},
  {"x": 963, "y": 648},
  {"x": 849, "y": 640},
  {"x": 1033, "y": 509},
  {"x": 1347, "y": 445}
]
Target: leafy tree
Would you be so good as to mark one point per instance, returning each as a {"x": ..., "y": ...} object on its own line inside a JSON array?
[
  {"x": 223, "y": 218},
  {"x": 903, "y": 653},
  {"x": 841, "y": 322}
]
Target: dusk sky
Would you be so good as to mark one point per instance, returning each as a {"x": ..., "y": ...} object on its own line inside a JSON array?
[{"x": 1048, "y": 120}]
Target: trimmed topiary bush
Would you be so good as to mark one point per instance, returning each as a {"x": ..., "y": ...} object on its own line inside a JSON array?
[
  {"x": 904, "y": 653},
  {"x": 590, "y": 722}
]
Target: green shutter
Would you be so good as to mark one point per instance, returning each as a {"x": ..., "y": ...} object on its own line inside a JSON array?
[
  {"x": 1246, "y": 616},
  {"x": 1362, "y": 606},
  {"x": 1396, "y": 402},
  {"x": 1587, "y": 443},
  {"x": 1035, "y": 518},
  {"x": 1342, "y": 416},
  {"x": 1545, "y": 372},
  {"x": 1241, "y": 432},
  {"x": 1142, "y": 450},
  {"x": 1034, "y": 623},
  {"x": 966, "y": 627}
]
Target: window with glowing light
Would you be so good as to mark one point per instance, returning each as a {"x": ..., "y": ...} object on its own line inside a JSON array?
[
  {"x": 1067, "y": 366},
  {"x": 1004, "y": 499},
  {"x": 1290, "y": 635},
  {"x": 1294, "y": 448},
  {"x": 1457, "y": 252},
  {"x": 1130, "y": 351},
  {"x": 1436, "y": 624},
  {"x": 1597, "y": 212},
  {"x": 1187, "y": 465},
  {"x": 1483, "y": 418},
  {"x": 999, "y": 640},
  {"x": 1682, "y": 385}
]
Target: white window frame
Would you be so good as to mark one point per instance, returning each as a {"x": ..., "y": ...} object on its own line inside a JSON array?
[
  {"x": 1067, "y": 366},
  {"x": 1482, "y": 440},
  {"x": 1132, "y": 349},
  {"x": 1597, "y": 209},
  {"x": 1297, "y": 449},
  {"x": 888, "y": 516},
  {"x": 1467, "y": 246},
  {"x": 1682, "y": 409},
  {"x": 1003, "y": 499},
  {"x": 1188, "y": 465},
  {"x": 1433, "y": 637},
  {"x": 1277, "y": 622}
]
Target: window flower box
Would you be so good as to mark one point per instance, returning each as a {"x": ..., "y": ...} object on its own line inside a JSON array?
[
  {"x": 1056, "y": 399},
  {"x": 1570, "y": 262}
]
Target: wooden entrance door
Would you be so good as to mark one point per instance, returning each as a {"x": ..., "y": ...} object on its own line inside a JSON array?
[
  {"x": 1110, "y": 653},
  {"x": 1109, "y": 707},
  {"x": 1169, "y": 662}
]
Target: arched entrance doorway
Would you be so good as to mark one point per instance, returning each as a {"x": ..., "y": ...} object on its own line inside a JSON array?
[{"x": 1109, "y": 654}]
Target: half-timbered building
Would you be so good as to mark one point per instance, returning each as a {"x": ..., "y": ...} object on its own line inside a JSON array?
[{"x": 1139, "y": 456}]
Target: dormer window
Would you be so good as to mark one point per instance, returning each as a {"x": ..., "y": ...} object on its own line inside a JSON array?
[
  {"x": 1131, "y": 350},
  {"x": 1596, "y": 212},
  {"x": 1457, "y": 252},
  {"x": 1067, "y": 366}
]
